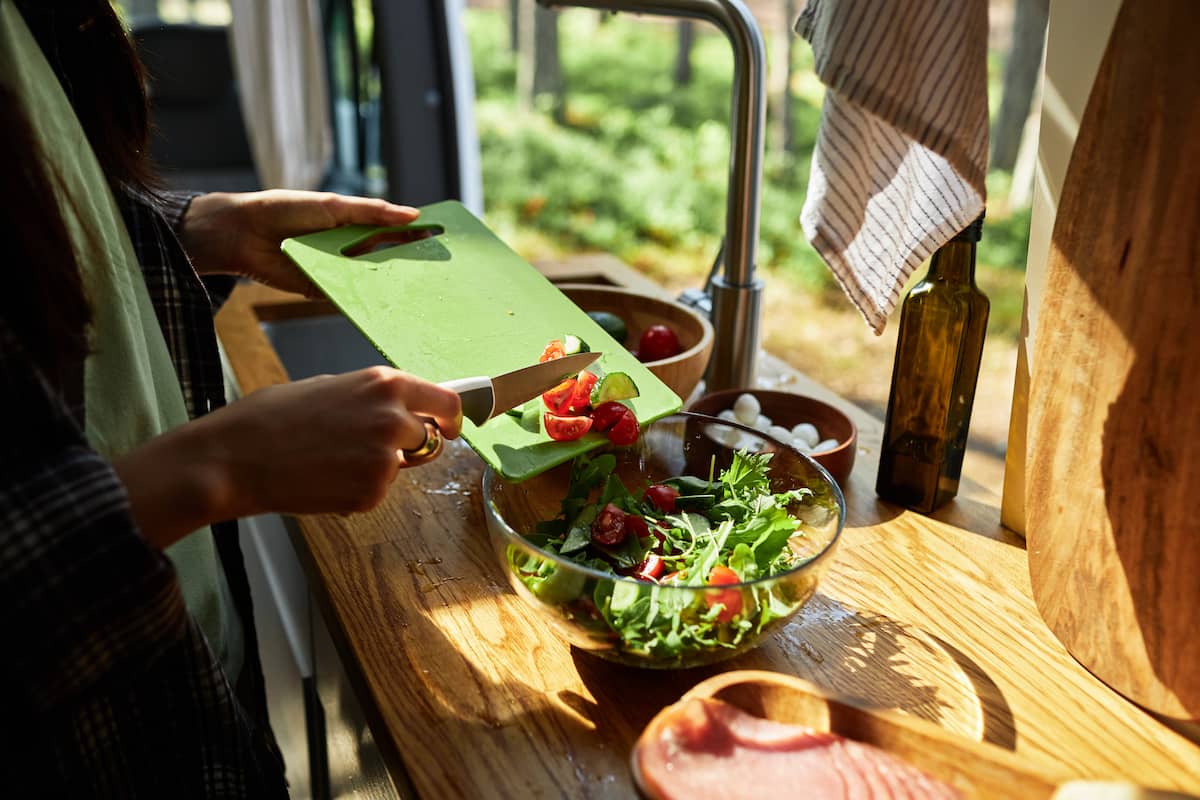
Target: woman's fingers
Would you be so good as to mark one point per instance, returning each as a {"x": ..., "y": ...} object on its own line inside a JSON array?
[{"x": 367, "y": 211}]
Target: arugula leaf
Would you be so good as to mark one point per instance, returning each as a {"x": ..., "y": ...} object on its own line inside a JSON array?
[
  {"x": 747, "y": 474},
  {"x": 688, "y": 484},
  {"x": 580, "y": 534},
  {"x": 742, "y": 562}
]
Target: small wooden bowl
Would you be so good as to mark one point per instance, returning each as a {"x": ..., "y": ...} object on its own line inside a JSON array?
[
  {"x": 980, "y": 771},
  {"x": 789, "y": 410},
  {"x": 681, "y": 372}
]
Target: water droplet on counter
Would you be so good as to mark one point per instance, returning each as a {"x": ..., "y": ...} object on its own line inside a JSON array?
[{"x": 450, "y": 488}]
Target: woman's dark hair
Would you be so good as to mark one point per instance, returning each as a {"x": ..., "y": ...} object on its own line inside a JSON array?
[
  {"x": 43, "y": 300},
  {"x": 99, "y": 70}
]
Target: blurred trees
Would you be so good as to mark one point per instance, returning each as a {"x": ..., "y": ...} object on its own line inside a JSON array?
[
  {"x": 1020, "y": 79},
  {"x": 683, "y": 53},
  {"x": 539, "y": 70}
]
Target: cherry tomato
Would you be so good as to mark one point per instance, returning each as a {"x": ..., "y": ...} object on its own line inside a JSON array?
[
  {"x": 609, "y": 526},
  {"x": 636, "y": 526},
  {"x": 608, "y": 414},
  {"x": 558, "y": 399},
  {"x": 581, "y": 399},
  {"x": 625, "y": 431},
  {"x": 730, "y": 598},
  {"x": 553, "y": 350},
  {"x": 565, "y": 429},
  {"x": 658, "y": 342},
  {"x": 661, "y": 497},
  {"x": 650, "y": 568}
]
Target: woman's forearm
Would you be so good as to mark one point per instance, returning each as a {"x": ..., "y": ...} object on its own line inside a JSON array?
[{"x": 177, "y": 483}]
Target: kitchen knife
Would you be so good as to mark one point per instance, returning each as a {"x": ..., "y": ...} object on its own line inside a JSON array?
[{"x": 484, "y": 397}]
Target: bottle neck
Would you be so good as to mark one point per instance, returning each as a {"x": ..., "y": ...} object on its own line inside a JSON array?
[{"x": 955, "y": 262}]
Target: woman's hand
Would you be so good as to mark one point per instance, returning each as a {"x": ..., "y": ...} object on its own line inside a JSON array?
[
  {"x": 240, "y": 234},
  {"x": 322, "y": 445}
]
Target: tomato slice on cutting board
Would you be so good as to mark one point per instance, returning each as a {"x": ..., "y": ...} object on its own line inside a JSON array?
[
  {"x": 565, "y": 429},
  {"x": 581, "y": 399},
  {"x": 558, "y": 399},
  {"x": 553, "y": 350},
  {"x": 625, "y": 431}
]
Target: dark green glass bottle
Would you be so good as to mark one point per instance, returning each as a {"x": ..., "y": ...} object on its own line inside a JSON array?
[{"x": 942, "y": 326}]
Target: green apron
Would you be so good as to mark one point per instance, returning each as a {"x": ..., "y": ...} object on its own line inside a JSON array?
[{"x": 131, "y": 391}]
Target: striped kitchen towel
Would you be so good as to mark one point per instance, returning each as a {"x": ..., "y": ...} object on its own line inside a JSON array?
[{"x": 900, "y": 159}]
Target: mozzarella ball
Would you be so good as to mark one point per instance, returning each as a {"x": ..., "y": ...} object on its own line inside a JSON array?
[
  {"x": 825, "y": 444},
  {"x": 806, "y": 432},
  {"x": 747, "y": 409},
  {"x": 781, "y": 433}
]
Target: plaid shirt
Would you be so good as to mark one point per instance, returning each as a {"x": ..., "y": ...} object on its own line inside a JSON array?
[{"x": 113, "y": 691}]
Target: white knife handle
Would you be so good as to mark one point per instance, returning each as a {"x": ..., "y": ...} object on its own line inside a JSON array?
[{"x": 478, "y": 399}]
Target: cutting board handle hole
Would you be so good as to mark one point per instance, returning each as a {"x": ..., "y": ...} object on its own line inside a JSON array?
[{"x": 386, "y": 239}]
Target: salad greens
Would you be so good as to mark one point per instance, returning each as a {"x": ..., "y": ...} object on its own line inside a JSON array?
[{"x": 685, "y": 531}]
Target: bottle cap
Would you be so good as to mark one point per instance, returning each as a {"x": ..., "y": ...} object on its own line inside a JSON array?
[{"x": 973, "y": 232}]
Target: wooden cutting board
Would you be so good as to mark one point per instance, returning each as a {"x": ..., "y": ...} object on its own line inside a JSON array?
[
  {"x": 1113, "y": 465},
  {"x": 461, "y": 304}
]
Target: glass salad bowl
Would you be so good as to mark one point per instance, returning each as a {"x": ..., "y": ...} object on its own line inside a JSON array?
[{"x": 674, "y": 552}]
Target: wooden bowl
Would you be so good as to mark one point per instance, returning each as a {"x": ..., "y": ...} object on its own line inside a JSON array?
[
  {"x": 980, "y": 771},
  {"x": 788, "y": 409},
  {"x": 681, "y": 372}
]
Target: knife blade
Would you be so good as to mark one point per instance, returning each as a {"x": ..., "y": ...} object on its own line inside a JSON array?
[{"x": 484, "y": 397}]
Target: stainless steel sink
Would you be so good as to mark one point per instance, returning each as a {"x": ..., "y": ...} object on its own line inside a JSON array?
[{"x": 320, "y": 345}]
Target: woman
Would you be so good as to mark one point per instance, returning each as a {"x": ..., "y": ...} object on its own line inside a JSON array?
[{"x": 131, "y": 658}]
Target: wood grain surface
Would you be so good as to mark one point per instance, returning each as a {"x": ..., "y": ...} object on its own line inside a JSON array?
[
  {"x": 471, "y": 697},
  {"x": 1114, "y": 420}
]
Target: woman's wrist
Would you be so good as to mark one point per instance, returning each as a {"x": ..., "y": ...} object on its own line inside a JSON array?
[
  {"x": 207, "y": 234},
  {"x": 179, "y": 482}
]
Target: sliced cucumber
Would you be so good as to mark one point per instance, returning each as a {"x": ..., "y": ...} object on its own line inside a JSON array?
[
  {"x": 573, "y": 344},
  {"x": 613, "y": 386},
  {"x": 531, "y": 415}
]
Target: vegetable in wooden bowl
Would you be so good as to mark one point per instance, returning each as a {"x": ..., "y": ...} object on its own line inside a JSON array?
[{"x": 644, "y": 319}]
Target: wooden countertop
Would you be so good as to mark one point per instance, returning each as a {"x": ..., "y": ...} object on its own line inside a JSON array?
[{"x": 469, "y": 696}]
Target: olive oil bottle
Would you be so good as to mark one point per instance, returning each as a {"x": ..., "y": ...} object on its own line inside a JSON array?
[{"x": 942, "y": 325}]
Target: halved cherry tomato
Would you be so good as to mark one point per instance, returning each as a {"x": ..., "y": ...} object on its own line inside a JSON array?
[
  {"x": 730, "y": 598},
  {"x": 558, "y": 399},
  {"x": 650, "y": 568},
  {"x": 658, "y": 342},
  {"x": 565, "y": 429},
  {"x": 636, "y": 526},
  {"x": 661, "y": 497},
  {"x": 625, "y": 431},
  {"x": 553, "y": 350},
  {"x": 582, "y": 398},
  {"x": 609, "y": 527},
  {"x": 605, "y": 415}
]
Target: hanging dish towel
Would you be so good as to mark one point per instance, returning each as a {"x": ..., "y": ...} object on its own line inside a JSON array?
[{"x": 900, "y": 159}]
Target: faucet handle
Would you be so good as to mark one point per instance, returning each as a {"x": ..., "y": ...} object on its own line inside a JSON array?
[{"x": 697, "y": 299}]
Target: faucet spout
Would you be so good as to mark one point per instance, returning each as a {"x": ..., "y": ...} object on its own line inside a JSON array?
[{"x": 736, "y": 293}]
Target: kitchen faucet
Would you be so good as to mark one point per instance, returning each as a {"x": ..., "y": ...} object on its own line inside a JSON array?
[{"x": 736, "y": 296}]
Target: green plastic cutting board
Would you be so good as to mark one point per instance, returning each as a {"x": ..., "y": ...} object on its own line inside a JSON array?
[{"x": 461, "y": 304}]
